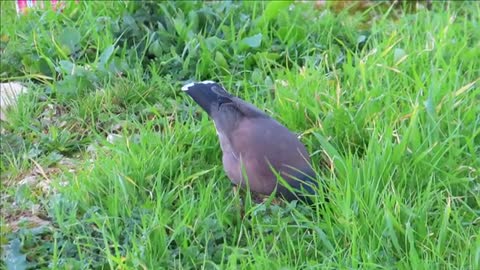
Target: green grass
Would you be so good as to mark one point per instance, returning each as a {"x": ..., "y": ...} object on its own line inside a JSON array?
[{"x": 388, "y": 104}]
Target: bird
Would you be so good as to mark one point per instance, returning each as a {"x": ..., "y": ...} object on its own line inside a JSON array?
[{"x": 258, "y": 152}]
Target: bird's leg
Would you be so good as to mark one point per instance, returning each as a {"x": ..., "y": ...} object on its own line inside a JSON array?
[
  {"x": 258, "y": 198},
  {"x": 236, "y": 192},
  {"x": 235, "y": 189},
  {"x": 261, "y": 199}
]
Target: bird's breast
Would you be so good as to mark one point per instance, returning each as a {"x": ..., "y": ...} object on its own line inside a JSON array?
[{"x": 225, "y": 145}]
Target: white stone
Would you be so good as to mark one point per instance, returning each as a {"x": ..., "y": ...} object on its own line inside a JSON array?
[{"x": 9, "y": 93}]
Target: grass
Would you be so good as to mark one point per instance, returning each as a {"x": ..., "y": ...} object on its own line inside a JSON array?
[{"x": 386, "y": 102}]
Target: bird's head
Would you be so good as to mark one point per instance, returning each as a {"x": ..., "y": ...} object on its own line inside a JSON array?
[{"x": 207, "y": 94}]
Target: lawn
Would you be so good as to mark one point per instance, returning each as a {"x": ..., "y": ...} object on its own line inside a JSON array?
[{"x": 106, "y": 164}]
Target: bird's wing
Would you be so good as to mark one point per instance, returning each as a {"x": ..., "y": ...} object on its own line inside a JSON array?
[{"x": 265, "y": 145}]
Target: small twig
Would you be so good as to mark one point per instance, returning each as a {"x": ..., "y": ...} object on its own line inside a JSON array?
[{"x": 42, "y": 172}]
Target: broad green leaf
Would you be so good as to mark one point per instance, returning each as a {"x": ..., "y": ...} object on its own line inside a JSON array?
[
  {"x": 66, "y": 67},
  {"x": 252, "y": 41},
  {"x": 106, "y": 54},
  {"x": 14, "y": 259},
  {"x": 213, "y": 42},
  {"x": 273, "y": 8},
  {"x": 70, "y": 39},
  {"x": 155, "y": 48},
  {"x": 220, "y": 60}
]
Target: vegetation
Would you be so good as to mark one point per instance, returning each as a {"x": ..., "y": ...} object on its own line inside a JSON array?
[{"x": 106, "y": 164}]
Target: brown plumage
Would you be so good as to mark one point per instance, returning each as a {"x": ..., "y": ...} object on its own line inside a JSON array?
[{"x": 255, "y": 145}]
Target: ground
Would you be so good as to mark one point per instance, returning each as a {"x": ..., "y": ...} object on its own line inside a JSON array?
[{"x": 105, "y": 163}]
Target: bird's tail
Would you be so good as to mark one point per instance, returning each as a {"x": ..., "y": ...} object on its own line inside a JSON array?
[{"x": 297, "y": 184}]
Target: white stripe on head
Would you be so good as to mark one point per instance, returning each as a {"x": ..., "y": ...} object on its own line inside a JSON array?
[{"x": 187, "y": 86}]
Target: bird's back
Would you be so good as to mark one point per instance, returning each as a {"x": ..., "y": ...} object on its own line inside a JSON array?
[{"x": 265, "y": 146}]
